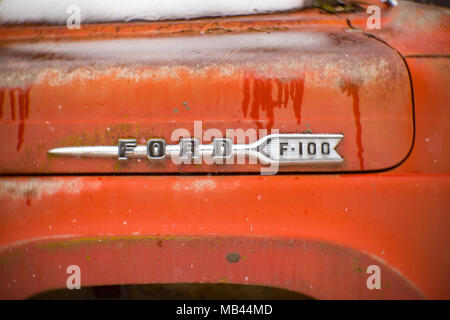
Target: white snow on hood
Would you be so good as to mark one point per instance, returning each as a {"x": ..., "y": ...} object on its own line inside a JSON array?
[{"x": 58, "y": 11}]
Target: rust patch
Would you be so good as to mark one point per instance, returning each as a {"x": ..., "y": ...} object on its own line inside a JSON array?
[
  {"x": 246, "y": 23},
  {"x": 258, "y": 93},
  {"x": 233, "y": 257},
  {"x": 353, "y": 91}
]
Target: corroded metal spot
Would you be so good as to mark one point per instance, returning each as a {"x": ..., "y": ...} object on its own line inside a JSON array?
[{"x": 233, "y": 257}]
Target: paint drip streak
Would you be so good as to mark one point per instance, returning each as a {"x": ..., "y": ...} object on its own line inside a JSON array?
[
  {"x": 298, "y": 99},
  {"x": 357, "y": 115},
  {"x": 246, "y": 99},
  {"x": 261, "y": 97},
  {"x": 353, "y": 91},
  {"x": 256, "y": 103},
  {"x": 13, "y": 104},
  {"x": 2, "y": 97},
  {"x": 23, "y": 114}
]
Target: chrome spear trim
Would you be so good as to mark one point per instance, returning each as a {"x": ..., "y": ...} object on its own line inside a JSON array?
[{"x": 275, "y": 148}]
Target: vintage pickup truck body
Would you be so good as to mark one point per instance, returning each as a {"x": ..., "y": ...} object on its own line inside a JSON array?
[{"x": 311, "y": 228}]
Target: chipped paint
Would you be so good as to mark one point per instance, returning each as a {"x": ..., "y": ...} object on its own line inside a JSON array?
[
  {"x": 199, "y": 185},
  {"x": 37, "y": 188}
]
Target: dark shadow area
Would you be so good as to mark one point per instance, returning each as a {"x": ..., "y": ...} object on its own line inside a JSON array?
[{"x": 181, "y": 291}]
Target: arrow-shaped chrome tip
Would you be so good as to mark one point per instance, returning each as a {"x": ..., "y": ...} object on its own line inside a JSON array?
[{"x": 70, "y": 151}]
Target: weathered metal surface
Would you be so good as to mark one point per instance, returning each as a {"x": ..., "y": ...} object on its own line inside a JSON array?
[
  {"x": 317, "y": 80},
  {"x": 411, "y": 28},
  {"x": 315, "y": 268}
]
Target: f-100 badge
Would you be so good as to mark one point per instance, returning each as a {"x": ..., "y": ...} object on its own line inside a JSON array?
[{"x": 274, "y": 148}]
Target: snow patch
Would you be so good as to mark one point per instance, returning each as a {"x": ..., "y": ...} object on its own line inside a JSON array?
[{"x": 56, "y": 11}]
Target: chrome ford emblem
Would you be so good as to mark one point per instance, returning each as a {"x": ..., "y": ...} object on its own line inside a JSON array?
[{"x": 274, "y": 148}]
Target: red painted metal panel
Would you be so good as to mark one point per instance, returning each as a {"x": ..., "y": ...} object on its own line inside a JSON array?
[
  {"x": 430, "y": 79},
  {"x": 400, "y": 219}
]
